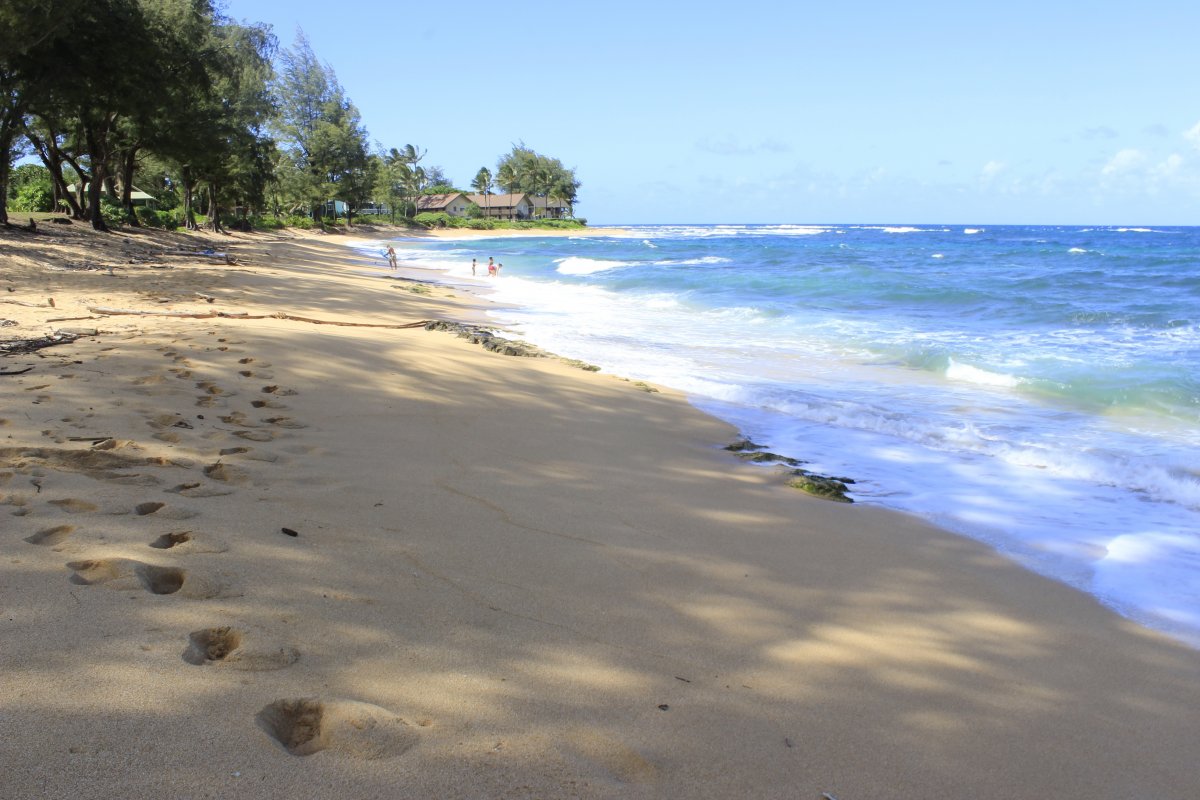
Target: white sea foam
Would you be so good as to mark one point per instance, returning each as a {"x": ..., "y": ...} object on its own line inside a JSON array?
[
  {"x": 692, "y": 261},
  {"x": 937, "y": 255},
  {"x": 1078, "y": 250},
  {"x": 575, "y": 265},
  {"x": 972, "y": 230},
  {"x": 956, "y": 371}
]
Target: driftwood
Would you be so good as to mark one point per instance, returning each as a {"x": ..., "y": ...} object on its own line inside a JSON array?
[
  {"x": 30, "y": 305},
  {"x": 229, "y": 315},
  {"x": 14, "y": 346}
]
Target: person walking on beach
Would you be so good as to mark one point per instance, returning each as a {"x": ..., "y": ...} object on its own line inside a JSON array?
[
  {"x": 472, "y": 266},
  {"x": 391, "y": 256}
]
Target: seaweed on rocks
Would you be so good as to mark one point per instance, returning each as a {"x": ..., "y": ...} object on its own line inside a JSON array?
[
  {"x": 821, "y": 486},
  {"x": 488, "y": 340}
]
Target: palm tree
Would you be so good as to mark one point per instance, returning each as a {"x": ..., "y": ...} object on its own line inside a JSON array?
[{"x": 483, "y": 184}]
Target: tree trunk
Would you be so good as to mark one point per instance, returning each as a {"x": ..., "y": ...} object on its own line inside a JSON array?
[
  {"x": 127, "y": 166},
  {"x": 189, "y": 217},
  {"x": 214, "y": 213},
  {"x": 10, "y": 119},
  {"x": 99, "y": 177}
]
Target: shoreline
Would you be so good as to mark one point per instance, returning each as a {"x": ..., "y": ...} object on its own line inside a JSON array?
[{"x": 508, "y": 576}]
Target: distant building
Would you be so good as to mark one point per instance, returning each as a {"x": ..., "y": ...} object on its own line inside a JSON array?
[
  {"x": 136, "y": 196},
  {"x": 549, "y": 208},
  {"x": 504, "y": 206},
  {"x": 455, "y": 204}
]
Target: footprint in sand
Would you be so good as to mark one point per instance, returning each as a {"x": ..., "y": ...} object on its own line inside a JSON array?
[
  {"x": 231, "y": 648},
  {"x": 126, "y": 573},
  {"x": 149, "y": 380},
  {"x": 183, "y": 374},
  {"x": 175, "y": 420},
  {"x": 211, "y": 388},
  {"x": 267, "y": 404},
  {"x": 51, "y": 537},
  {"x": 186, "y": 542},
  {"x": 73, "y": 506},
  {"x": 255, "y": 436},
  {"x": 279, "y": 391},
  {"x": 161, "y": 510},
  {"x": 614, "y": 756},
  {"x": 284, "y": 422},
  {"x": 194, "y": 489},
  {"x": 226, "y": 473},
  {"x": 121, "y": 573},
  {"x": 348, "y": 728}
]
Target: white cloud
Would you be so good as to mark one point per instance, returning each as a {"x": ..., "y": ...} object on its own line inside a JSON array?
[
  {"x": 1124, "y": 162},
  {"x": 1192, "y": 134},
  {"x": 1170, "y": 167}
]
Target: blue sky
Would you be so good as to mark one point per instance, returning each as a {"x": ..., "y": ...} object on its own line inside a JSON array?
[{"x": 750, "y": 111}]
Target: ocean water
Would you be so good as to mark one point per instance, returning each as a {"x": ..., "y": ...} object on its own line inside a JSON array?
[{"x": 1037, "y": 388}]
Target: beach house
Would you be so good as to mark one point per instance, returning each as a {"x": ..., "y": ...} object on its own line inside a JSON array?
[
  {"x": 549, "y": 208},
  {"x": 504, "y": 206},
  {"x": 455, "y": 204}
]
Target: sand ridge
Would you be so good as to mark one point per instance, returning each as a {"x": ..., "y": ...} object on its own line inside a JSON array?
[{"x": 263, "y": 557}]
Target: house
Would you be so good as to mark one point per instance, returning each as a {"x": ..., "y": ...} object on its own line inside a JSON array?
[
  {"x": 455, "y": 204},
  {"x": 136, "y": 196},
  {"x": 503, "y": 206},
  {"x": 549, "y": 208}
]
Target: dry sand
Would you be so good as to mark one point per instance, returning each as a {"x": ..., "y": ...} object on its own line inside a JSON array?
[{"x": 260, "y": 558}]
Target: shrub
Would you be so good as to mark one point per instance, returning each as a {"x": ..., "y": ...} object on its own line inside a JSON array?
[
  {"x": 111, "y": 212},
  {"x": 33, "y": 197},
  {"x": 297, "y": 221},
  {"x": 433, "y": 219},
  {"x": 152, "y": 218}
]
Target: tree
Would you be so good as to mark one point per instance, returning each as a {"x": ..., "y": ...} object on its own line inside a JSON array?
[
  {"x": 483, "y": 184},
  {"x": 523, "y": 170},
  {"x": 321, "y": 130}
]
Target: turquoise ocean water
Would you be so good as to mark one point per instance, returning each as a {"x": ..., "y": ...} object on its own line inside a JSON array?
[{"x": 1037, "y": 388}]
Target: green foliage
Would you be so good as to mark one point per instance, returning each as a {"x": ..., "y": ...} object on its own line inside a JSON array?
[
  {"x": 523, "y": 170},
  {"x": 112, "y": 212},
  {"x": 151, "y": 218},
  {"x": 433, "y": 219},
  {"x": 33, "y": 197}
]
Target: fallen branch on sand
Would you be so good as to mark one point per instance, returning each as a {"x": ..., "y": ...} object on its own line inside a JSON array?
[
  {"x": 14, "y": 346},
  {"x": 228, "y": 315},
  {"x": 29, "y": 305}
]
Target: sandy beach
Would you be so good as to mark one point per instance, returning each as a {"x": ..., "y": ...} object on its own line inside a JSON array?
[{"x": 267, "y": 536}]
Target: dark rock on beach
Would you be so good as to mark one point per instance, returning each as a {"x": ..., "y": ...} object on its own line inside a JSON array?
[{"x": 488, "y": 340}]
